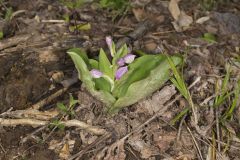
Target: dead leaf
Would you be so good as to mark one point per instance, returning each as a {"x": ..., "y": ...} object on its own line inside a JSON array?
[
  {"x": 163, "y": 140},
  {"x": 156, "y": 101},
  {"x": 145, "y": 149},
  {"x": 139, "y": 14},
  {"x": 115, "y": 151},
  {"x": 182, "y": 20},
  {"x": 64, "y": 153},
  {"x": 202, "y": 19},
  {"x": 174, "y": 9}
]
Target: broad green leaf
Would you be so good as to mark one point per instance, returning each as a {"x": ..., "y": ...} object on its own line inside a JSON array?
[
  {"x": 102, "y": 84},
  {"x": 104, "y": 64},
  {"x": 81, "y": 53},
  {"x": 83, "y": 71},
  {"x": 143, "y": 88},
  {"x": 138, "y": 70},
  {"x": 86, "y": 78},
  {"x": 93, "y": 63}
]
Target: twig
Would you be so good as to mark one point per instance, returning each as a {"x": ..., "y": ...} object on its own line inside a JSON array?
[
  {"x": 195, "y": 142},
  {"x": 2, "y": 148},
  {"x": 53, "y": 21},
  {"x": 13, "y": 41},
  {"x": 70, "y": 123},
  {"x": 66, "y": 83},
  {"x": 180, "y": 127},
  {"x": 218, "y": 129},
  {"x": 48, "y": 99},
  {"x": 23, "y": 140},
  {"x": 31, "y": 113}
]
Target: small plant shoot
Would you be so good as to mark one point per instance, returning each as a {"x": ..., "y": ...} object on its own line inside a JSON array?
[{"x": 123, "y": 80}]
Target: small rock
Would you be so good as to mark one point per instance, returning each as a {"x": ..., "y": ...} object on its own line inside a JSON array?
[
  {"x": 57, "y": 76},
  {"x": 150, "y": 45}
]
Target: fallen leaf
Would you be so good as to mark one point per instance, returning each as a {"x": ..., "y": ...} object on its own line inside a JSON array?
[
  {"x": 139, "y": 14},
  {"x": 202, "y": 19},
  {"x": 146, "y": 150},
  {"x": 174, "y": 9},
  {"x": 64, "y": 153},
  {"x": 156, "y": 101},
  {"x": 184, "y": 20}
]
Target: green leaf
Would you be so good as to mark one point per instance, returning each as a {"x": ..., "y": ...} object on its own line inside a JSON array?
[
  {"x": 58, "y": 124},
  {"x": 62, "y": 107},
  {"x": 1, "y": 35},
  {"x": 120, "y": 53},
  {"x": 136, "y": 72},
  {"x": 80, "y": 27},
  {"x": 8, "y": 14},
  {"x": 104, "y": 64},
  {"x": 179, "y": 116},
  {"x": 72, "y": 101},
  {"x": 81, "y": 53},
  {"x": 66, "y": 18},
  {"x": 93, "y": 63},
  {"x": 209, "y": 37},
  {"x": 102, "y": 84},
  {"x": 82, "y": 68},
  {"x": 143, "y": 88},
  {"x": 86, "y": 78}
]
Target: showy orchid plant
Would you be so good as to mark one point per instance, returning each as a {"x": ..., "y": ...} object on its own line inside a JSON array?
[{"x": 125, "y": 79}]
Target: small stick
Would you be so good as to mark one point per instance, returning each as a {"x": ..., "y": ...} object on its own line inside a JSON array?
[
  {"x": 2, "y": 148},
  {"x": 31, "y": 113},
  {"x": 66, "y": 83},
  {"x": 53, "y": 21},
  {"x": 195, "y": 142},
  {"x": 70, "y": 123},
  {"x": 48, "y": 99}
]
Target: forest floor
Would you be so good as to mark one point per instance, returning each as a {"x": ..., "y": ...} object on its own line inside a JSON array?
[{"x": 36, "y": 73}]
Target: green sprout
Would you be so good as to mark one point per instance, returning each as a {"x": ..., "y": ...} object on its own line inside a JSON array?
[
  {"x": 179, "y": 83},
  {"x": 67, "y": 110},
  {"x": 57, "y": 124},
  {"x": 222, "y": 91},
  {"x": 209, "y": 37}
]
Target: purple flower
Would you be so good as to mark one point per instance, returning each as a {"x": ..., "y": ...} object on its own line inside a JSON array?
[
  {"x": 129, "y": 58},
  {"x": 109, "y": 41},
  {"x": 120, "y": 72},
  {"x": 110, "y": 45},
  {"x": 121, "y": 62},
  {"x": 96, "y": 73}
]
